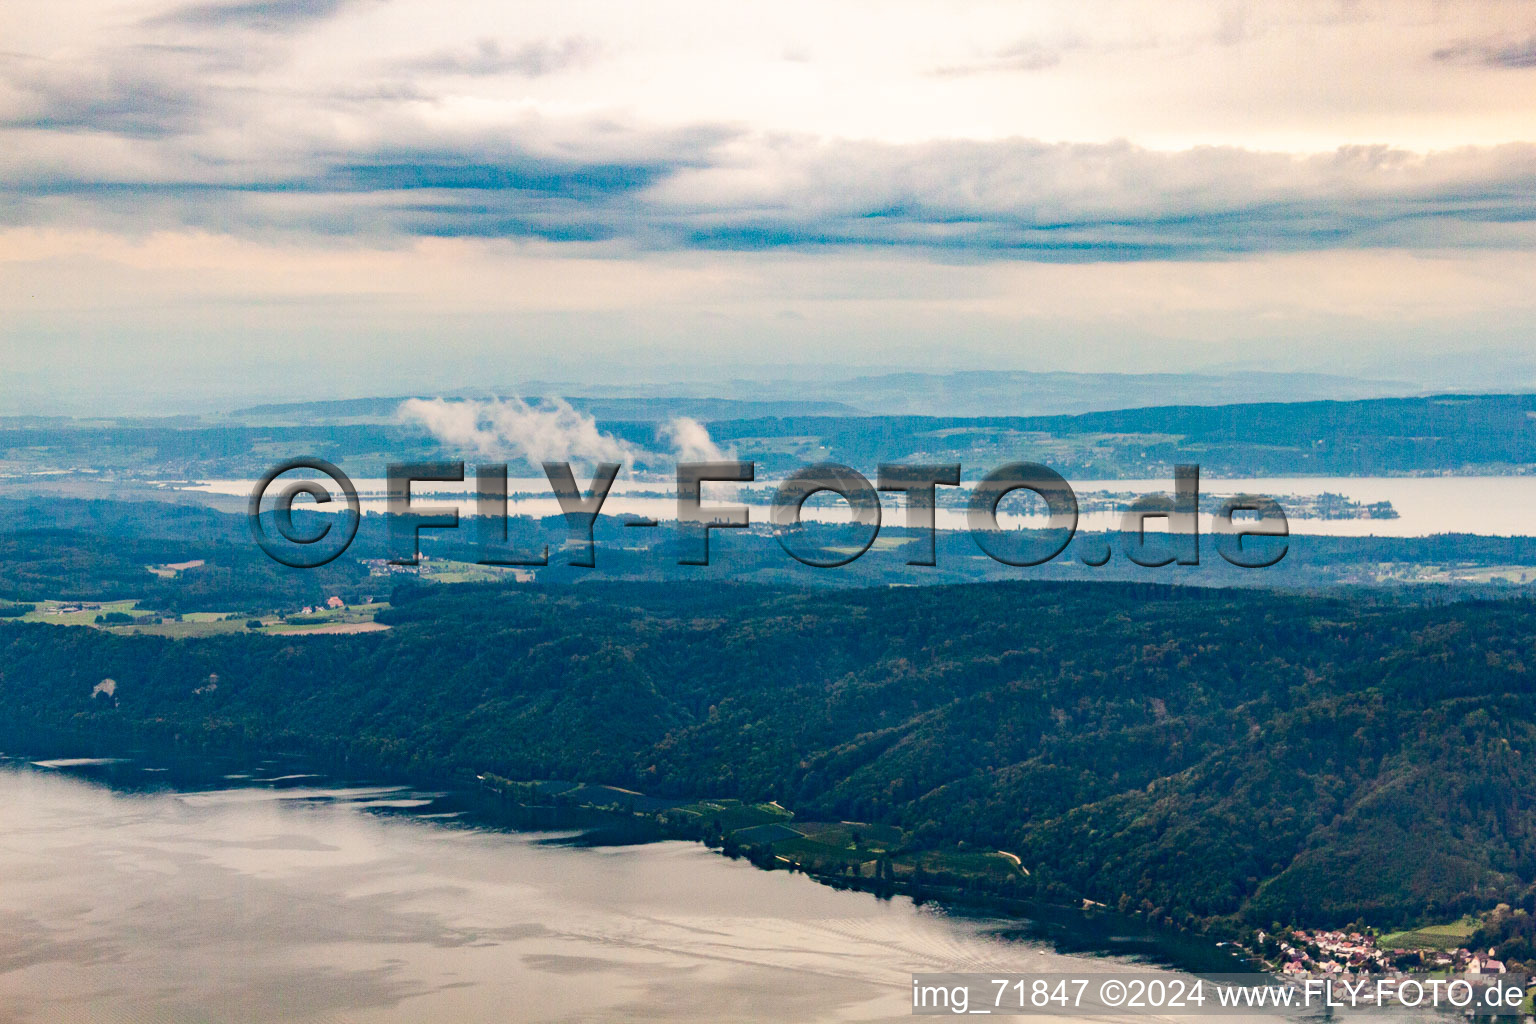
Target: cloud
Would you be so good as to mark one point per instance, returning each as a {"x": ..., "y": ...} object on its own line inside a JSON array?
[
  {"x": 260, "y": 15},
  {"x": 1493, "y": 53},
  {"x": 469, "y": 131},
  {"x": 514, "y": 172},
  {"x": 135, "y": 146},
  {"x": 105, "y": 95},
  {"x": 1025, "y": 55},
  {"x": 573, "y": 180},
  {"x": 531, "y": 60},
  {"x": 551, "y": 431},
  {"x": 1010, "y": 199},
  {"x": 1036, "y": 200}
]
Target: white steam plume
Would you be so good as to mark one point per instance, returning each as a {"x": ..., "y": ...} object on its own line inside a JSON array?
[
  {"x": 551, "y": 431},
  {"x": 691, "y": 441}
]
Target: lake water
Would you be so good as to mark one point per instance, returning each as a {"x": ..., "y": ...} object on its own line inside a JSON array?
[
  {"x": 276, "y": 896},
  {"x": 299, "y": 901},
  {"x": 1502, "y": 506}
]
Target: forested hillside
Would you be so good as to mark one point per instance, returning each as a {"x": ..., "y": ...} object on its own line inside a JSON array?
[{"x": 1195, "y": 754}]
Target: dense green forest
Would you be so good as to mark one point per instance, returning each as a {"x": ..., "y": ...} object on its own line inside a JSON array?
[
  {"x": 1202, "y": 756},
  {"x": 104, "y": 551}
]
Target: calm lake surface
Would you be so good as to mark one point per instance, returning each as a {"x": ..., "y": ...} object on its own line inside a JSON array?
[{"x": 277, "y": 896}]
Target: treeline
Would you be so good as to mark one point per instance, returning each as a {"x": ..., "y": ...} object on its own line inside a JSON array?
[
  {"x": 1510, "y": 930},
  {"x": 1199, "y": 756}
]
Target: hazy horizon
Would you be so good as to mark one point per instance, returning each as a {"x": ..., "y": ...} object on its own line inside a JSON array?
[{"x": 858, "y": 390}]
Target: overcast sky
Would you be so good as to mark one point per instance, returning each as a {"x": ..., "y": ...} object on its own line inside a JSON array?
[{"x": 206, "y": 203}]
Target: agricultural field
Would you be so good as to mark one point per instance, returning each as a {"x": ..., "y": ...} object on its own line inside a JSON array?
[
  {"x": 354, "y": 619},
  {"x": 732, "y": 816},
  {"x": 77, "y": 613},
  {"x": 1438, "y": 936}
]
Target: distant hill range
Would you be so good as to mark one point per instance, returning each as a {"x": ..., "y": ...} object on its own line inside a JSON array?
[
  {"x": 640, "y": 410},
  {"x": 972, "y": 393},
  {"x": 1019, "y": 393},
  {"x": 1463, "y": 434},
  {"x": 1440, "y": 433}
]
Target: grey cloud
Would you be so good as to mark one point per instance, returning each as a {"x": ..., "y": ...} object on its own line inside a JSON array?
[
  {"x": 260, "y": 15},
  {"x": 203, "y": 61},
  {"x": 1036, "y": 200},
  {"x": 1024, "y": 55},
  {"x": 108, "y": 97},
  {"x": 487, "y": 57},
  {"x": 708, "y": 190},
  {"x": 582, "y": 186},
  {"x": 375, "y": 94},
  {"x": 1495, "y": 53}
]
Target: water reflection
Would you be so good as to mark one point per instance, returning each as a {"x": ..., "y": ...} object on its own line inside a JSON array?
[
  {"x": 274, "y": 894},
  {"x": 281, "y": 897}
]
